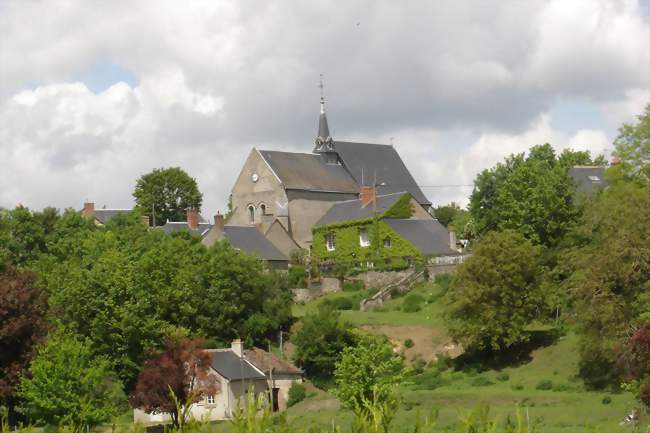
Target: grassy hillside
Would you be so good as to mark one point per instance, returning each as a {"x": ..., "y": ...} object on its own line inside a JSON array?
[{"x": 565, "y": 406}]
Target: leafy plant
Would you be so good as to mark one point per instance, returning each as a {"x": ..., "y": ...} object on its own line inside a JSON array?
[
  {"x": 297, "y": 393},
  {"x": 412, "y": 303},
  {"x": 544, "y": 385},
  {"x": 408, "y": 343}
]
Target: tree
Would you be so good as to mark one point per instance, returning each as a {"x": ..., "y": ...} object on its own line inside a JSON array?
[
  {"x": 23, "y": 308},
  {"x": 180, "y": 373},
  {"x": 533, "y": 195},
  {"x": 67, "y": 385},
  {"x": 496, "y": 293},
  {"x": 610, "y": 275},
  {"x": 445, "y": 214},
  {"x": 635, "y": 360},
  {"x": 168, "y": 192},
  {"x": 633, "y": 145},
  {"x": 367, "y": 369},
  {"x": 320, "y": 341}
]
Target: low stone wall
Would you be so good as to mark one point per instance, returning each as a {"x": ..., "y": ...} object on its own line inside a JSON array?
[
  {"x": 330, "y": 285},
  {"x": 378, "y": 280}
]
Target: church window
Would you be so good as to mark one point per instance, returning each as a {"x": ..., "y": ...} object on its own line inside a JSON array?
[
  {"x": 263, "y": 209},
  {"x": 364, "y": 241},
  {"x": 251, "y": 214},
  {"x": 329, "y": 242}
]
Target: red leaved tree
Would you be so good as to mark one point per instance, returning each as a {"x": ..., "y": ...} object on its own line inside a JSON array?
[
  {"x": 635, "y": 360},
  {"x": 180, "y": 373},
  {"x": 23, "y": 310}
]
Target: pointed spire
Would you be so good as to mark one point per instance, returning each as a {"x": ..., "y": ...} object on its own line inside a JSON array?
[{"x": 324, "y": 139}]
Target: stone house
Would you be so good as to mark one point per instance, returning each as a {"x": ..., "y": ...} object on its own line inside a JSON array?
[
  {"x": 294, "y": 190},
  {"x": 238, "y": 372},
  {"x": 385, "y": 232}
]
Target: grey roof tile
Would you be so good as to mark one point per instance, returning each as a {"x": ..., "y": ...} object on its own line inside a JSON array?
[
  {"x": 429, "y": 236},
  {"x": 352, "y": 210},
  {"x": 588, "y": 179},
  {"x": 103, "y": 215},
  {"x": 176, "y": 227},
  {"x": 250, "y": 240},
  {"x": 380, "y": 162},
  {"x": 232, "y": 367}
]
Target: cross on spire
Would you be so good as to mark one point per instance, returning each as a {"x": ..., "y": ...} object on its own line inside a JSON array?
[{"x": 324, "y": 141}]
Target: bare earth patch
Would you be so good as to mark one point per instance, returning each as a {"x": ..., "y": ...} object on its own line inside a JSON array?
[{"x": 428, "y": 343}]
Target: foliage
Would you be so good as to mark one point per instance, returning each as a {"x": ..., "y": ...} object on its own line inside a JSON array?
[
  {"x": 412, "y": 303},
  {"x": 67, "y": 385},
  {"x": 320, "y": 341},
  {"x": 503, "y": 377},
  {"x": 495, "y": 293},
  {"x": 365, "y": 369},
  {"x": 633, "y": 146},
  {"x": 464, "y": 225},
  {"x": 353, "y": 286},
  {"x": 544, "y": 385},
  {"x": 401, "y": 209},
  {"x": 447, "y": 213},
  {"x": 635, "y": 358},
  {"x": 609, "y": 275},
  {"x": 444, "y": 281},
  {"x": 297, "y": 276},
  {"x": 532, "y": 195},
  {"x": 168, "y": 192},
  {"x": 297, "y": 393},
  {"x": 179, "y": 373},
  {"x": 481, "y": 381},
  {"x": 408, "y": 343},
  {"x": 23, "y": 308}
]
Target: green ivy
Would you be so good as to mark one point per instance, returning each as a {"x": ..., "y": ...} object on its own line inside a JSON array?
[{"x": 401, "y": 209}]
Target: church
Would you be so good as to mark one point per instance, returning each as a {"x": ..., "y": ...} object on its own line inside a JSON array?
[{"x": 285, "y": 194}]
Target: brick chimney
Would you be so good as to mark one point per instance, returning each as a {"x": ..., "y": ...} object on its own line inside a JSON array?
[
  {"x": 219, "y": 221},
  {"x": 237, "y": 346},
  {"x": 367, "y": 195},
  {"x": 89, "y": 210},
  {"x": 192, "y": 218}
]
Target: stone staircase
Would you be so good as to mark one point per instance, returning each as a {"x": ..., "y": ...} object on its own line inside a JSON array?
[{"x": 384, "y": 294}]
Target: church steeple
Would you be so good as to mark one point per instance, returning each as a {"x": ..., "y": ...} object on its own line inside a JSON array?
[{"x": 324, "y": 142}]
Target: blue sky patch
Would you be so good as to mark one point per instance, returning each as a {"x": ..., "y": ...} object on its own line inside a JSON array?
[
  {"x": 104, "y": 73},
  {"x": 572, "y": 115}
]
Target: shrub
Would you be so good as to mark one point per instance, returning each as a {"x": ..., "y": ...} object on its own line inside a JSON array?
[
  {"x": 561, "y": 387},
  {"x": 412, "y": 303},
  {"x": 343, "y": 303},
  {"x": 430, "y": 380},
  {"x": 443, "y": 280},
  {"x": 607, "y": 399},
  {"x": 544, "y": 385},
  {"x": 481, "y": 381},
  {"x": 408, "y": 343},
  {"x": 297, "y": 393},
  {"x": 443, "y": 363},
  {"x": 353, "y": 286},
  {"x": 297, "y": 276},
  {"x": 418, "y": 364},
  {"x": 503, "y": 377},
  {"x": 516, "y": 387}
]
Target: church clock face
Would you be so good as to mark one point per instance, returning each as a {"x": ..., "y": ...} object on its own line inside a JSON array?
[{"x": 254, "y": 177}]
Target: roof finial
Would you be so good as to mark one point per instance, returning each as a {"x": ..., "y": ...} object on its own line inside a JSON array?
[{"x": 322, "y": 96}]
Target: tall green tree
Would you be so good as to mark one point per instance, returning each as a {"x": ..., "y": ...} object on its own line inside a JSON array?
[
  {"x": 320, "y": 342},
  {"x": 610, "y": 278},
  {"x": 446, "y": 213},
  {"x": 531, "y": 194},
  {"x": 68, "y": 385},
  {"x": 496, "y": 293},
  {"x": 166, "y": 193},
  {"x": 632, "y": 146},
  {"x": 370, "y": 368}
]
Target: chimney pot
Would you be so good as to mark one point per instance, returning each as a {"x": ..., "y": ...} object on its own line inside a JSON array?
[
  {"x": 89, "y": 210},
  {"x": 237, "y": 346},
  {"x": 219, "y": 221},
  {"x": 192, "y": 218}
]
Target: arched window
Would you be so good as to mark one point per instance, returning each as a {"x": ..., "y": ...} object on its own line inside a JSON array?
[
  {"x": 251, "y": 214},
  {"x": 263, "y": 208}
]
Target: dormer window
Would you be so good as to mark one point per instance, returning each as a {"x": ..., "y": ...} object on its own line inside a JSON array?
[
  {"x": 364, "y": 241},
  {"x": 593, "y": 179}
]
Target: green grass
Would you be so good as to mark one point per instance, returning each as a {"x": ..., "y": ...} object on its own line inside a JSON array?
[{"x": 567, "y": 408}]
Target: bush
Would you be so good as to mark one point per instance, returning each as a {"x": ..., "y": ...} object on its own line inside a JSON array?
[
  {"x": 443, "y": 363},
  {"x": 344, "y": 303},
  {"x": 544, "y": 385},
  {"x": 481, "y": 381},
  {"x": 408, "y": 343},
  {"x": 412, "y": 303},
  {"x": 297, "y": 393},
  {"x": 443, "y": 280},
  {"x": 607, "y": 399},
  {"x": 297, "y": 276},
  {"x": 353, "y": 286},
  {"x": 503, "y": 377},
  {"x": 516, "y": 387},
  {"x": 430, "y": 380},
  {"x": 561, "y": 387}
]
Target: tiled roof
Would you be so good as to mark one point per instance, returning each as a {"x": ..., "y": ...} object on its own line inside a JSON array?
[
  {"x": 250, "y": 240},
  {"x": 266, "y": 361},
  {"x": 588, "y": 179},
  {"x": 232, "y": 367},
  {"x": 428, "y": 236},
  {"x": 352, "y": 210}
]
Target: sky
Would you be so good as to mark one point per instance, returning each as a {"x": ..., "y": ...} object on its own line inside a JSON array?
[{"x": 94, "y": 94}]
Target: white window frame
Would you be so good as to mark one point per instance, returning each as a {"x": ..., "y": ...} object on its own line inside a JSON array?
[
  {"x": 364, "y": 239},
  {"x": 330, "y": 242},
  {"x": 209, "y": 399}
]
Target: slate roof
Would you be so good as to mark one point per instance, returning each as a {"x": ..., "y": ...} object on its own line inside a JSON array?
[
  {"x": 175, "y": 227},
  {"x": 250, "y": 240},
  {"x": 429, "y": 236},
  {"x": 232, "y": 367},
  {"x": 352, "y": 210},
  {"x": 266, "y": 361},
  {"x": 588, "y": 179},
  {"x": 305, "y": 171},
  {"x": 382, "y": 161},
  {"x": 103, "y": 215}
]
